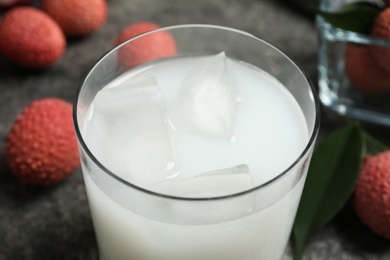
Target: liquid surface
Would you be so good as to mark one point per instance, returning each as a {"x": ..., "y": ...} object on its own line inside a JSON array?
[{"x": 189, "y": 126}]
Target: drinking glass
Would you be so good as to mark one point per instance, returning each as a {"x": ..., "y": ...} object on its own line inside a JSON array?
[
  {"x": 351, "y": 84},
  {"x": 132, "y": 222}
]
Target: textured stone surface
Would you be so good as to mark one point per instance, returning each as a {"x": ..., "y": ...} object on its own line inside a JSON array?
[{"x": 55, "y": 223}]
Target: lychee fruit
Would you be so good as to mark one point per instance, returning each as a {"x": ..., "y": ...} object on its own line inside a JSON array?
[
  {"x": 381, "y": 30},
  {"x": 363, "y": 72},
  {"x": 31, "y": 38},
  {"x": 41, "y": 148},
  {"x": 77, "y": 18},
  {"x": 11, "y": 3},
  {"x": 147, "y": 48},
  {"x": 372, "y": 194}
]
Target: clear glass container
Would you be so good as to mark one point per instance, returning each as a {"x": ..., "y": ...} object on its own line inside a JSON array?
[
  {"x": 350, "y": 82},
  {"x": 133, "y": 222}
]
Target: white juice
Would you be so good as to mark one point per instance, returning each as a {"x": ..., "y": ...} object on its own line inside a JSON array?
[{"x": 195, "y": 127}]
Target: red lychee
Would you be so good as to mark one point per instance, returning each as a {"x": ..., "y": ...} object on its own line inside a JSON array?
[
  {"x": 372, "y": 194},
  {"x": 151, "y": 47},
  {"x": 11, "y": 3},
  {"x": 77, "y": 18},
  {"x": 381, "y": 30},
  {"x": 363, "y": 72},
  {"x": 30, "y": 38},
  {"x": 41, "y": 148}
]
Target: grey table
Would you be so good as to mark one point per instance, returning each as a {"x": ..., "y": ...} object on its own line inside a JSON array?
[{"x": 55, "y": 223}]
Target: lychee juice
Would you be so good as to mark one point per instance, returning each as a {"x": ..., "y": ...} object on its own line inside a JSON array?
[{"x": 186, "y": 144}]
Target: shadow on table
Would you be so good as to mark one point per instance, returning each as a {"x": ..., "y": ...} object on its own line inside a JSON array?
[
  {"x": 11, "y": 187},
  {"x": 301, "y": 6},
  {"x": 356, "y": 234}
]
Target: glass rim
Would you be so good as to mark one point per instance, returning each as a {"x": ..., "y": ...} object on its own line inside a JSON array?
[{"x": 310, "y": 142}]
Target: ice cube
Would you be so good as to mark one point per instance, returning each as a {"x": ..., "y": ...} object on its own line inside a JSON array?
[
  {"x": 222, "y": 182},
  {"x": 214, "y": 183},
  {"x": 115, "y": 98},
  {"x": 136, "y": 141},
  {"x": 208, "y": 98},
  {"x": 238, "y": 169}
]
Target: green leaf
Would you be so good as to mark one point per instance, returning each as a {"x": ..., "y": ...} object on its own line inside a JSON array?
[
  {"x": 356, "y": 17},
  {"x": 330, "y": 182}
]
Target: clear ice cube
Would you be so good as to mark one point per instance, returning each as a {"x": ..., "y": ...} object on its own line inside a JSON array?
[
  {"x": 208, "y": 98},
  {"x": 136, "y": 139},
  {"x": 214, "y": 183},
  {"x": 221, "y": 182},
  {"x": 116, "y": 98}
]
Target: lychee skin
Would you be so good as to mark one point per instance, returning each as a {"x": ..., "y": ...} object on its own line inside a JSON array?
[
  {"x": 41, "y": 148},
  {"x": 363, "y": 72},
  {"x": 77, "y": 18},
  {"x": 381, "y": 30},
  {"x": 30, "y": 38},
  {"x": 11, "y": 3},
  {"x": 372, "y": 194},
  {"x": 145, "y": 49}
]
